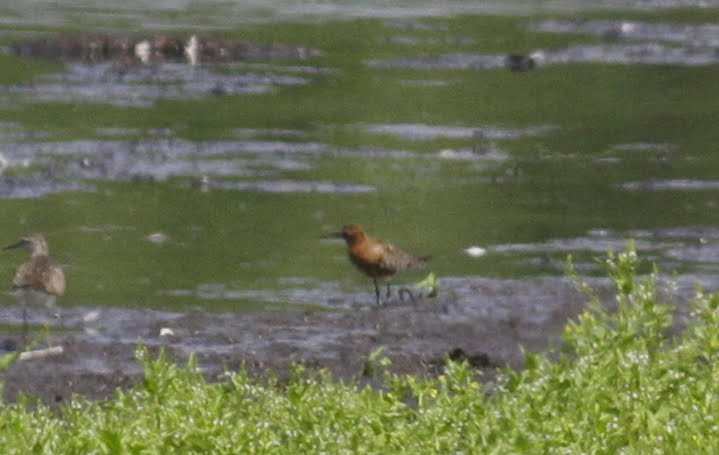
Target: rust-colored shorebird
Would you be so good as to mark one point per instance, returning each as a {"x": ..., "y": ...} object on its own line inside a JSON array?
[
  {"x": 37, "y": 280},
  {"x": 376, "y": 258}
]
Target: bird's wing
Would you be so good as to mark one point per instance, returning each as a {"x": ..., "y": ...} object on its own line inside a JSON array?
[
  {"x": 40, "y": 274},
  {"x": 393, "y": 259},
  {"x": 55, "y": 281},
  {"x": 28, "y": 274}
]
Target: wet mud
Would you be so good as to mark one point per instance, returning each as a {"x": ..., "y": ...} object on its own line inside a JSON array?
[
  {"x": 483, "y": 321},
  {"x": 485, "y": 324}
]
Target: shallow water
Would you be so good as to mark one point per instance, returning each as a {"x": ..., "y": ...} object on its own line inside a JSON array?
[
  {"x": 168, "y": 188},
  {"x": 165, "y": 155}
]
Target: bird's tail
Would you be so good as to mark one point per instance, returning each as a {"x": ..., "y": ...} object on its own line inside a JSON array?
[{"x": 419, "y": 262}]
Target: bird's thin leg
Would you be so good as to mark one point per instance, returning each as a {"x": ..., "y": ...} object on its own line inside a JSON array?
[
  {"x": 388, "y": 291},
  {"x": 48, "y": 335},
  {"x": 48, "y": 338},
  {"x": 376, "y": 290},
  {"x": 57, "y": 314},
  {"x": 24, "y": 326}
]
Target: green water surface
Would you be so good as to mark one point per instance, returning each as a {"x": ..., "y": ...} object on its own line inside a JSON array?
[{"x": 553, "y": 185}]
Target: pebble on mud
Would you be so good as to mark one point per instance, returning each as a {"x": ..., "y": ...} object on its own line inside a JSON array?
[
  {"x": 475, "y": 251},
  {"x": 91, "y": 316}
]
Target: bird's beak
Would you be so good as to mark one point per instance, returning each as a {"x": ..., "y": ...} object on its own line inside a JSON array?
[{"x": 17, "y": 244}]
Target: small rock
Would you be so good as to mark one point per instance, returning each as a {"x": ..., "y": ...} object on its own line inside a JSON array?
[
  {"x": 475, "y": 251},
  {"x": 91, "y": 316}
]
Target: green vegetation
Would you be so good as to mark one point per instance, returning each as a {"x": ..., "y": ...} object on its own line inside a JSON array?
[{"x": 619, "y": 384}]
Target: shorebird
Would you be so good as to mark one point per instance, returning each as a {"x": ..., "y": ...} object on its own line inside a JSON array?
[
  {"x": 37, "y": 280},
  {"x": 376, "y": 258}
]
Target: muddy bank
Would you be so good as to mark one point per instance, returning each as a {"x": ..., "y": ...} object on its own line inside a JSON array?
[
  {"x": 100, "y": 342},
  {"x": 486, "y": 324}
]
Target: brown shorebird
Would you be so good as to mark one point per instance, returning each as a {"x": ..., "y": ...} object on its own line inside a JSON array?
[
  {"x": 376, "y": 258},
  {"x": 37, "y": 280}
]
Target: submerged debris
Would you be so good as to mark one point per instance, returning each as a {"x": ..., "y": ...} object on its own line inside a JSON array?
[
  {"x": 521, "y": 62},
  {"x": 157, "y": 238}
]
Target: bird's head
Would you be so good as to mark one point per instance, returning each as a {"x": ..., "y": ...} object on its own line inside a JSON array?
[
  {"x": 34, "y": 244},
  {"x": 351, "y": 233}
]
